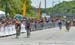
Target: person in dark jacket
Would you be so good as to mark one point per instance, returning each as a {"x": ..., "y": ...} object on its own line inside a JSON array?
[
  {"x": 67, "y": 25},
  {"x": 28, "y": 28},
  {"x": 60, "y": 24}
]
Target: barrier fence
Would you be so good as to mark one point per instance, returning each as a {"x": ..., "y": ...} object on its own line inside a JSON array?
[{"x": 10, "y": 29}]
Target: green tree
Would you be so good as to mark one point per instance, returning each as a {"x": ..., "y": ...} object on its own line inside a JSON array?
[
  {"x": 67, "y": 7},
  {"x": 16, "y": 6}
]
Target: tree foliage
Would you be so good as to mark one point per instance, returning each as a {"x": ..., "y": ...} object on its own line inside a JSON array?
[
  {"x": 16, "y": 6},
  {"x": 64, "y": 7}
]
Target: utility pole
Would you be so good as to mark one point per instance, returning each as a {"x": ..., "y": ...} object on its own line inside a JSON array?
[
  {"x": 52, "y": 7},
  {"x": 45, "y": 6},
  {"x": 6, "y": 8}
]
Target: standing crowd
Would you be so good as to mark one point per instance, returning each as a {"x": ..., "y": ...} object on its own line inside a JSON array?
[{"x": 44, "y": 23}]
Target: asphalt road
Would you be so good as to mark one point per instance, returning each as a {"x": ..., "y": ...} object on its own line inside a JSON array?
[{"x": 52, "y": 36}]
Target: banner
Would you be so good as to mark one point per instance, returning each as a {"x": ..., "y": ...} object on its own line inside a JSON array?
[
  {"x": 24, "y": 9},
  {"x": 39, "y": 15}
]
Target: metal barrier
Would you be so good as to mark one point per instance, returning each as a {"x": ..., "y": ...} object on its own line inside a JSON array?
[
  {"x": 45, "y": 25},
  {"x": 41, "y": 26},
  {"x": 10, "y": 29}
]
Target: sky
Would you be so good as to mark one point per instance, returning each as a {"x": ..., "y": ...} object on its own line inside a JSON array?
[{"x": 35, "y": 3}]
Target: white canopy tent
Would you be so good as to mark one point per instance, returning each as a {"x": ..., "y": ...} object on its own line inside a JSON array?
[
  {"x": 2, "y": 13},
  {"x": 45, "y": 15}
]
